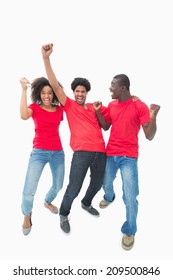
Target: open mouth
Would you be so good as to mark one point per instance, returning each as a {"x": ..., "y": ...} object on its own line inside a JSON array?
[
  {"x": 79, "y": 99},
  {"x": 46, "y": 101}
]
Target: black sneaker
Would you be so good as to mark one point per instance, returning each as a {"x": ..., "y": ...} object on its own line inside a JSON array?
[
  {"x": 90, "y": 210},
  {"x": 64, "y": 224}
]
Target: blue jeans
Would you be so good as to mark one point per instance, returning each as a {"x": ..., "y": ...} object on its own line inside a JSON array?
[
  {"x": 37, "y": 161},
  {"x": 81, "y": 161},
  {"x": 129, "y": 175}
]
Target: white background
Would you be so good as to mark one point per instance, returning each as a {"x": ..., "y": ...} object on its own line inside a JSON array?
[{"x": 93, "y": 39}]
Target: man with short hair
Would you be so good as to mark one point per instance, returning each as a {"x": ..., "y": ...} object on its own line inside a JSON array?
[
  {"x": 86, "y": 141},
  {"x": 125, "y": 115}
]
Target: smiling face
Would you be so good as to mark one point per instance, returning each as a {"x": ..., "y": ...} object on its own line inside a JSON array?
[
  {"x": 80, "y": 95},
  {"x": 116, "y": 89},
  {"x": 46, "y": 96}
]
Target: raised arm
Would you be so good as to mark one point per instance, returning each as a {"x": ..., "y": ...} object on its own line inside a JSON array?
[
  {"x": 25, "y": 112},
  {"x": 103, "y": 123},
  {"x": 46, "y": 52},
  {"x": 151, "y": 128}
]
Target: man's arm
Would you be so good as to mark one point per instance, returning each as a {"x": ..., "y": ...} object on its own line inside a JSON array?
[
  {"x": 151, "y": 128},
  {"x": 46, "y": 52},
  {"x": 103, "y": 123}
]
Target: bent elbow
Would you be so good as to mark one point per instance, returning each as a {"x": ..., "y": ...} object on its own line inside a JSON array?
[
  {"x": 150, "y": 137},
  {"x": 106, "y": 128},
  {"x": 24, "y": 118}
]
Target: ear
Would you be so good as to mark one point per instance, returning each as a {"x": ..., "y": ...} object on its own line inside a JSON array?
[{"x": 123, "y": 88}]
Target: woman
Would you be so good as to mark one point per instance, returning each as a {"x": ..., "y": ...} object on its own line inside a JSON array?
[{"x": 47, "y": 148}]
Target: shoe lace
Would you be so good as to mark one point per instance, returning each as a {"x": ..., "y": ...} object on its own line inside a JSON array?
[{"x": 64, "y": 219}]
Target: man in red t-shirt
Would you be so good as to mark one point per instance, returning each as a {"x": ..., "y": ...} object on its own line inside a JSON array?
[
  {"x": 86, "y": 141},
  {"x": 125, "y": 115}
]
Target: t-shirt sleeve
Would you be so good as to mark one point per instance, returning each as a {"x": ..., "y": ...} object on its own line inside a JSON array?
[
  {"x": 143, "y": 113},
  {"x": 33, "y": 107},
  {"x": 105, "y": 112},
  {"x": 62, "y": 115},
  {"x": 68, "y": 104}
]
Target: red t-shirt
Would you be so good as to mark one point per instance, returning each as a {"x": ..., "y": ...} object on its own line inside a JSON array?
[
  {"x": 126, "y": 119},
  {"x": 46, "y": 127},
  {"x": 86, "y": 133}
]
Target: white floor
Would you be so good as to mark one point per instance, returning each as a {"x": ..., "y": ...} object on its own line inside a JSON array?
[{"x": 90, "y": 238}]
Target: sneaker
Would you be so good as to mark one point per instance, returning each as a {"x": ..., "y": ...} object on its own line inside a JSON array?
[
  {"x": 128, "y": 241},
  {"x": 51, "y": 207},
  {"x": 104, "y": 203},
  {"x": 64, "y": 224},
  {"x": 90, "y": 210}
]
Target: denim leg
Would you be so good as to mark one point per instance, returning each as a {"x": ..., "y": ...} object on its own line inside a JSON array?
[
  {"x": 109, "y": 177},
  {"x": 56, "y": 163},
  {"x": 129, "y": 174},
  {"x": 97, "y": 169},
  {"x": 79, "y": 166},
  {"x": 34, "y": 170}
]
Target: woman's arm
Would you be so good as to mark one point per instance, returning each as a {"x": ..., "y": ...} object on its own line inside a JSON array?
[{"x": 25, "y": 112}]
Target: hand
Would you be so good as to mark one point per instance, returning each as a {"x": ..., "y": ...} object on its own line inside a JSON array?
[
  {"x": 154, "y": 109},
  {"x": 135, "y": 98},
  {"x": 47, "y": 50},
  {"x": 24, "y": 83},
  {"x": 97, "y": 105}
]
